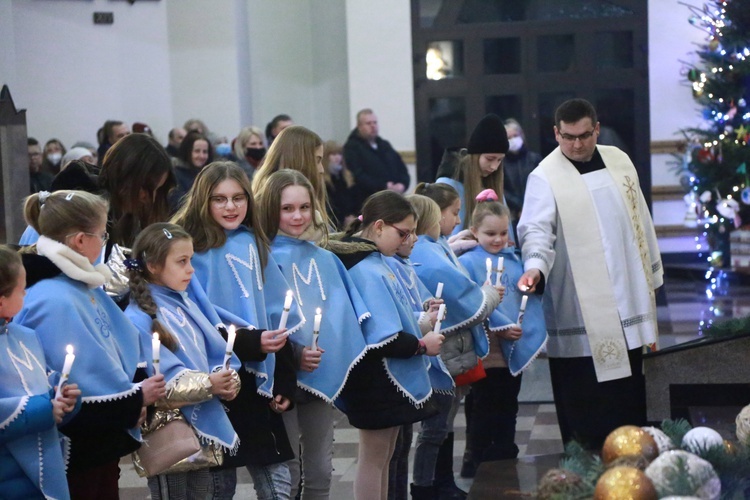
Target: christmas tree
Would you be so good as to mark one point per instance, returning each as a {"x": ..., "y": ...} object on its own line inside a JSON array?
[{"x": 718, "y": 157}]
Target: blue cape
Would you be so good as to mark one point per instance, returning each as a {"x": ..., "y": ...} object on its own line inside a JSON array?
[
  {"x": 434, "y": 263},
  {"x": 391, "y": 313},
  {"x": 440, "y": 378},
  {"x": 201, "y": 348},
  {"x": 23, "y": 374},
  {"x": 320, "y": 281},
  {"x": 521, "y": 353},
  {"x": 231, "y": 280}
]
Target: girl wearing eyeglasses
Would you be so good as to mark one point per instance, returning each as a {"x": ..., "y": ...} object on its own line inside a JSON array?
[
  {"x": 235, "y": 272},
  {"x": 66, "y": 305},
  {"x": 468, "y": 305},
  {"x": 390, "y": 387}
]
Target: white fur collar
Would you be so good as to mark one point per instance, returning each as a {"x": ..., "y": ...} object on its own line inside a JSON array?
[{"x": 74, "y": 265}]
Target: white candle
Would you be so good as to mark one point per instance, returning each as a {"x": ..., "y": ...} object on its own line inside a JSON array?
[
  {"x": 439, "y": 292},
  {"x": 499, "y": 270},
  {"x": 67, "y": 365},
  {"x": 155, "y": 347},
  {"x": 287, "y": 308},
  {"x": 231, "y": 336},
  {"x": 489, "y": 270},
  {"x": 440, "y": 318},
  {"x": 316, "y": 328},
  {"x": 522, "y": 310}
]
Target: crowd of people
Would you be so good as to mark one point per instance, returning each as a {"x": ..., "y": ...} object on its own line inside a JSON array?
[{"x": 268, "y": 282}]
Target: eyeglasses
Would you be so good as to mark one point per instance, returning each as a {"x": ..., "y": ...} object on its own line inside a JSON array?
[
  {"x": 222, "y": 201},
  {"x": 104, "y": 236},
  {"x": 574, "y": 138},
  {"x": 405, "y": 235}
]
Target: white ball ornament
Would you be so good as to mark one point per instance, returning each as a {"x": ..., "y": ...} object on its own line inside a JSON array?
[
  {"x": 702, "y": 480},
  {"x": 701, "y": 438},
  {"x": 743, "y": 426},
  {"x": 662, "y": 440}
]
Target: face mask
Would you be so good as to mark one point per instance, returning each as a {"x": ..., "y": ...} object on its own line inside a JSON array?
[
  {"x": 515, "y": 144},
  {"x": 255, "y": 153},
  {"x": 54, "y": 158},
  {"x": 223, "y": 149}
]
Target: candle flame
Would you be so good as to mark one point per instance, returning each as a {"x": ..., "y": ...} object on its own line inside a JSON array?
[{"x": 69, "y": 349}]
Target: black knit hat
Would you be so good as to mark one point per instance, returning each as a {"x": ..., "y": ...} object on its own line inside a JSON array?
[{"x": 489, "y": 136}]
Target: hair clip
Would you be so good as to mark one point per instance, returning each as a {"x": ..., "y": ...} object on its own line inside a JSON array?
[
  {"x": 69, "y": 196},
  {"x": 487, "y": 195},
  {"x": 133, "y": 264},
  {"x": 43, "y": 195},
  {"x": 360, "y": 219},
  {"x": 167, "y": 233}
]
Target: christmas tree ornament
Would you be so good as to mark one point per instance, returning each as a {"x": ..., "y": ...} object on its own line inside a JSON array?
[
  {"x": 745, "y": 196},
  {"x": 693, "y": 75},
  {"x": 742, "y": 422},
  {"x": 629, "y": 440},
  {"x": 730, "y": 447},
  {"x": 680, "y": 473},
  {"x": 705, "y": 196},
  {"x": 662, "y": 440},
  {"x": 624, "y": 483},
  {"x": 558, "y": 483},
  {"x": 705, "y": 156},
  {"x": 699, "y": 439},
  {"x": 741, "y": 102},
  {"x": 713, "y": 45}
]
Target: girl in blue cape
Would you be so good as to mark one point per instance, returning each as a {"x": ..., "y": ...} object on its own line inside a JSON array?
[
  {"x": 468, "y": 305},
  {"x": 237, "y": 276},
  {"x": 425, "y": 308},
  {"x": 325, "y": 358},
  {"x": 390, "y": 387},
  {"x": 513, "y": 345},
  {"x": 31, "y": 449},
  {"x": 192, "y": 359},
  {"x": 66, "y": 305}
]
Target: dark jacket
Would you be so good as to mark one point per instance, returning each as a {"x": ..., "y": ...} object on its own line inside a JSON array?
[
  {"x": 185, "y": 176},
  {"x": 516, "y": 170},
  {"x": 263, "y": 438},
  {"x": 372, "y": 167},
  {"x": 370, "y": 400},
  {"x": 99, "y": 432}
]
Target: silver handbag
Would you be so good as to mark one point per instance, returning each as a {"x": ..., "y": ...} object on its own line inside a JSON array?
[{"x": 117, "y": 287}]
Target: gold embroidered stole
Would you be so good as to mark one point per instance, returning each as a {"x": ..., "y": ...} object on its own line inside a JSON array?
[{"x": 586, "y": 254}]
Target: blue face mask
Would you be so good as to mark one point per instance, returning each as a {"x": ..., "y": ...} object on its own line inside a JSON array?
[{"x": 223, "y": 149}]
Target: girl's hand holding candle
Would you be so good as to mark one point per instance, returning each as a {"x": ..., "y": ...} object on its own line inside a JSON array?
[
  {"x": 287, "y": 308},
  {"x": 67, "y": 366}
]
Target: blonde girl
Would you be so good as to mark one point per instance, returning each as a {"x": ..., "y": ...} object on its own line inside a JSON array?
[
  {"x": 192, "y": 360},
  {"x": 288, "y": 205},
  {"x": 65, "y": 289}
]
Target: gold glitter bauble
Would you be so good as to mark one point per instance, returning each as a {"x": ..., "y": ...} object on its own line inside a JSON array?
[
  {"x": 624, "y": 483},
  {"x": 629, "y": 440}
]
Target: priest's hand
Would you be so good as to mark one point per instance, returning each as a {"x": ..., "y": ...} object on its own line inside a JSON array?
[
  {"x": 272, "y": 340},
  {"x": 529, "y": 280}
]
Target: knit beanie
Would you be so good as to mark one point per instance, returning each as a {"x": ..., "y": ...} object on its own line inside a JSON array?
[{"x": 489, "y": 136}]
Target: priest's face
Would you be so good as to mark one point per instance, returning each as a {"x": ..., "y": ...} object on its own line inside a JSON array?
[{"x": 577, "y": 140}]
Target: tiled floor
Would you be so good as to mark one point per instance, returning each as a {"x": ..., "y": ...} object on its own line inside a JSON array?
[{"x": 686, "y": 311}]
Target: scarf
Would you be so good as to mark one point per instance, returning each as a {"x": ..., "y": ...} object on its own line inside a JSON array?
[
  {"x": 201, "y": 348},
  {"x": 73, "y": 264},
  {"x": 520, "y": 353},
  {"x": 319, "y": 280},
  {"x": 440, "y": 378},
  {"x": 391, "y": 313},
  {"x": 41, "y": 455}
]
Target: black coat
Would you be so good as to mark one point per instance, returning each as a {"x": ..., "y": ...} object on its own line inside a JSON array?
[
  {"x": 373, "y": 168},
  {"x": 369, "y": 398}
]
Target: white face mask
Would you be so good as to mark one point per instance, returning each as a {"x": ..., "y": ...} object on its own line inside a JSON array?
[
  {"x": 54, "y": 158},
  {"x": 515, "y": 143}
]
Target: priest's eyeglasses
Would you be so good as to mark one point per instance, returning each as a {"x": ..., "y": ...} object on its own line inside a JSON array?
[
  {"x": 222, "y": 201},
  {"x": 574, "y": 138},
  {"x": 405, "y": 235}
]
